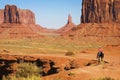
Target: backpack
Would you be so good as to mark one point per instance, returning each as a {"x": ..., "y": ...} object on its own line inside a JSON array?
[{"x": 100, "y": 54}]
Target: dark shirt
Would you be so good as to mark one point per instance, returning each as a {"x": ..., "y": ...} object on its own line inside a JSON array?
[{"x": 100, "y": 54}]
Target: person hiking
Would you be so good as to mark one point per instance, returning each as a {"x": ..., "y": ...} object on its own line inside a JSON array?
[{"x": 100, "y": 55}]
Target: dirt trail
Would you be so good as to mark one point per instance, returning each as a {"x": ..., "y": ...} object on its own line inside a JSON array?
[{"x": 111, "y": 69}]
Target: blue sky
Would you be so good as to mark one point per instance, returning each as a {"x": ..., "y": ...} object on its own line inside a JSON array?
[{"x": 50, "y": 13}]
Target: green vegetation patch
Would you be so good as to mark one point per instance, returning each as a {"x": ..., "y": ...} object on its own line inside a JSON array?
[
  {"x": 45, "y": 45},
  {"x": 25, "y": 71}
]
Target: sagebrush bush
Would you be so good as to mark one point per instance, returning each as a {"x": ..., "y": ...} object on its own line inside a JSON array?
[
  {"x": 20, "y": 78},
  {"x": 25, "y": 71},
  {"x": 71, "y": 73},
  {"x": 69, "y": 54}
]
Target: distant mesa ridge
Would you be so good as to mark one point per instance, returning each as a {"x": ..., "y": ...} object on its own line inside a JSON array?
[
  {"x": 100, "y": 11},
  {"x": 20, "y": 23},
  {"x": 12, "y": 14}
]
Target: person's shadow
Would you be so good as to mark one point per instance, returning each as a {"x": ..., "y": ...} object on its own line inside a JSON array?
[{"x": 95, "y": 63}]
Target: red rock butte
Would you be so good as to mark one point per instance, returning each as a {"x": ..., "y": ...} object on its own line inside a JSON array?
[
  {"x": 18, "y": 23},
  {"x": 100, "y": 21},
  {"x": 100, "y": 11},
  {"x": 103, "y": 17},
  {"x": 12, "y": 14}
]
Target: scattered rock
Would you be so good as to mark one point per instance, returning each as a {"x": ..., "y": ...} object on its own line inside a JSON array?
[{"x": 71, "y": 65}]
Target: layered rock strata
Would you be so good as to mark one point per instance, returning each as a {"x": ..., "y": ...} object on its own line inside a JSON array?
[
  {"x": 100, "y": 11},
  {"x": 12, "y": 14}
]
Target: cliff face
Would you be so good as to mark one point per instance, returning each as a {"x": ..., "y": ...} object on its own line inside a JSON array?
[
  {"x": 100, "y": 22},
  {"x": 117, "y": 10},
  {"x": 26, "y": 16},
  {"x": 1, "y": 16},
  {"x": 11, "y": 14},
  {"x": 99, "y": 11}
]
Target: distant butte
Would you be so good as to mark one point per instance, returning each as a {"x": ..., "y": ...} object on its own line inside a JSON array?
[
  {"x": 12, "y": 14},
  {"x": 18, "y": 23},
  {"x": 100, "y": 22}
]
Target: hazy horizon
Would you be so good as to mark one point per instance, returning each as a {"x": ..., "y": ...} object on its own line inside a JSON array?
[{"x": 50, "y": 14}]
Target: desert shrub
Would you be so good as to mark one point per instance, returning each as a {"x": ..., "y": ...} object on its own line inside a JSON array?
[
  {"x": 10, "y": 78},
  {"x": 71, "y": 35},
  {"x": 69, "y": 54},
  {"x": 105, "y": 78},
  {"x": 19, "y": 78},
  {"x": 25, "y": 71},
  {"x": 71, "y": 73}
]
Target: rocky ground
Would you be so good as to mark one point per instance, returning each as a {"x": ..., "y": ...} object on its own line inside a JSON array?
[
  {"x": 108, "y": 69},
  {"x": 24, "y": 40},
  {"x": 82, "y": 66}
]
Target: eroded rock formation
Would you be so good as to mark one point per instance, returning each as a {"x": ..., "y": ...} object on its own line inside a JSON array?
[
  {"x": 70, "y": 25},
  {"x": 99, "y": 11},
  {"x": 50, "y": 65},
  {"x": 69, "y": 19},
  {"x": 26, "y": 16},
  {"x": 12, "y": 14},
  {"x": 1, "y": 15}
]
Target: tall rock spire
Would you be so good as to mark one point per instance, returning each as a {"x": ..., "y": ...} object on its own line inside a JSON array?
[
  {"x": 69, "y": 19},
  {"x": 67, "y": 27}
]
